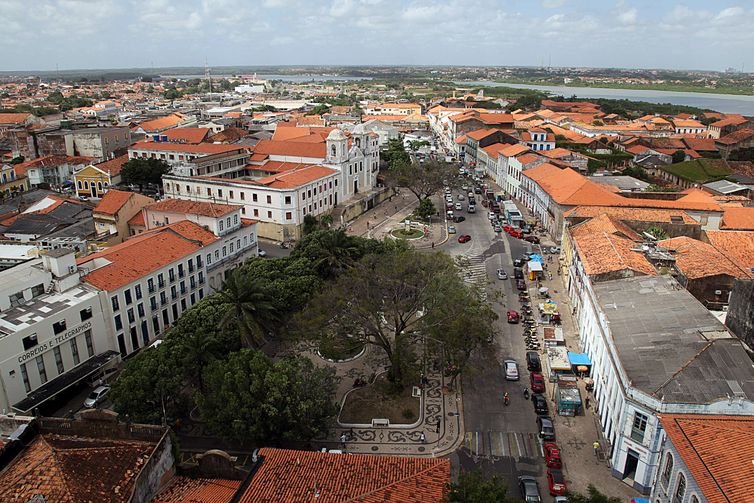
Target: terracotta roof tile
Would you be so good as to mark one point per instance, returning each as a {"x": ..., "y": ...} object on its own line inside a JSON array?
[
  {"x": 295, "y": 178},
  {"x": 202, "y": 208},
  {"x": 738, "y": 218},
  {"x": 291, "y": 148},
  {"x": 186, "y": 134},
  {"x": 201, "y": 148},
  {"x": 718, "y": 451},
  {"x": 113, "y": 201},
  {"x": 162, "y": 123},
  {"x": 145, "y": 254},
  {"x": 13, "y": 118},
  {"x": 696, "y": 259},
  {"x": 568, "y": 187},
  {"x": 137, "y": 220},
  {"x": 291, "y": 476},
  {"x": 736, "y": 245},
  {"x": 114, "y": 165},
  {"x": 74, "y": 469},
  {"x": 736, "y": 137},
  {"x": 50, "y": 160},
  {"x": 632, "y": 214},
  {"x": 187, "y": 490}
]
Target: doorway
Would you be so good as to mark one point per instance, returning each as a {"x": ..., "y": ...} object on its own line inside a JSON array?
[
  {"x": 355, "y": 186},
  {"x": 94, "y": 190},
  {"x": 632, "y": 462}
]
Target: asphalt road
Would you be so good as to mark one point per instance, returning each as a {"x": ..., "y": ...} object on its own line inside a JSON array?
[{"x": 499, "y": 439}]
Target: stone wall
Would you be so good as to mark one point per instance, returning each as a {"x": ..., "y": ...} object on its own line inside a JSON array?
[{"x": 740, "y": 318}]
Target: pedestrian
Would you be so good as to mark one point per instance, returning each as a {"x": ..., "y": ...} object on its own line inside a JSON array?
[
  {"x": 596, "y": 446},
  {"x": 422, "y": 437},
  {"x": 350, "y": 434},
  {"x": 437, "y": 429},
  {"x": 343, "y": 439},
  {"x": 433, "y": 244},
  {"x": 586, "y": 402}
]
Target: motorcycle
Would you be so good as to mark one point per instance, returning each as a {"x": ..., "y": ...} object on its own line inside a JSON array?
[
  {"x": 506, "y": 399},
  {"x": 526, "y": 393}
]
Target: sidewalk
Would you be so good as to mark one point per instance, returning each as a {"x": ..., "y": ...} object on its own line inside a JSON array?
[{"x": 380, "y": 220}]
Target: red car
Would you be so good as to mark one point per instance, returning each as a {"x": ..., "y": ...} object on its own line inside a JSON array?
[
  {"x": 512, "y": 316},
  {"x": 532, "y": 239},
  {"x": 464, "y": 238},
  {"x": 556, "y": 481},
  {"x": 537, "y": 382},
  {"x": 552, "y": 455},
  {"x": 516, "y": 233},
  {"x": 507, "y": 228}
]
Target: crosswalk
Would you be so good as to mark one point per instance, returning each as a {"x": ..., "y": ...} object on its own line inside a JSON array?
[
  {"x": 474, "y": 273},
  {"x": 501, "y": 444}
]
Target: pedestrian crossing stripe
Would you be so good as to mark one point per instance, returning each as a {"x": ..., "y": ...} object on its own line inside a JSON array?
[{"x": 500, "y": 444}]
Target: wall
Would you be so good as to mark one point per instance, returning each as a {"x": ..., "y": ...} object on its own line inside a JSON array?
[
  {"x": 156, "y": 472},
  {"x": 740, "y": 318}
]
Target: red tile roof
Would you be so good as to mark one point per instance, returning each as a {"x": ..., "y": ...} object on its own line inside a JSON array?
[
  {"x": 162, "y": 123},
  {"x": 294, "y": 476},
  {"x": 291, "y": 148},
  {"x": 186, "y": 134},
  {"x": 13, "y": 118},
  {"x": 741, "y": 218},
  {"x": 114, "y": 165},
  {"x": 718, "y": 452},
  {"x": 295, "y": 178},
  {"x": 696, "y": 259},
  {"x": 201, "y": 148},
  {"x": 145, "y": 254},
  {"x": 50, "y": 160},
  {"x": 113, "y": 201},
  {"x": 736, "y": 245},
  {"x": 202, "y": 208},
  {"x": 69, "y": 469},
  {"x": 276, "y": 166},
  {"x": 137, "y": 220},
  {"x": 186, "y": 490},
  {"x": 736, "y": 137}
]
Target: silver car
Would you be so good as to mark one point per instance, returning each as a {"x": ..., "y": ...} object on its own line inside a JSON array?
[
  {"x": 451, "y": 229},
  {"x": 96, "y": 397},
  {"x": 511, "y": 370}
]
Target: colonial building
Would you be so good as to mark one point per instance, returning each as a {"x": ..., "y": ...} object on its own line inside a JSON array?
[
  {"x": 95, "y": 180},
  {"x": 113, "y": 212}
]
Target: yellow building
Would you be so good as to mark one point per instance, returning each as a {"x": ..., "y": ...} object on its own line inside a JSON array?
[
  {"x": 11, "y": 181},
  {"x": 96, "y": 179}
]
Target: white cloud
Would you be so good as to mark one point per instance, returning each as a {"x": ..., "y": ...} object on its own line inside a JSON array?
[
  {"x": 553, "y": 4},
  {"x": 629, "y": 16}
]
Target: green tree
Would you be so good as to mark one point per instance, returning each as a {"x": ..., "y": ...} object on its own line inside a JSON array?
[
  {"x": 329, "y": 251},
  {"x": 425, "y": 209},
  {"x": 151, "y": 387},
  {"x": 653, "y": 187},
  {"x": 251, "y": 309},
  {"x": 388, "y": 300},
  {"x": 143, "y": 172},
  {"x": 319, "y": 110},
  {"x": 422, "y": 179},
  {"x": 592, "y": 496},
  {"x": 289, "y": 282},
  {"x": 253, "y": 399},
  {"x": 679, "y": 156},
  {"x": 636, "y": 172},
  {"x": 657, "y": 232},
  {"x": 474, "y": 487}
]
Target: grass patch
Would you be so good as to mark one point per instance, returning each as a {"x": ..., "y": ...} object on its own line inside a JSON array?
[
  {"x": 380, "y": 400},
  {"x": 340, "y": 348},
  {"x": 406, "y": 234}
]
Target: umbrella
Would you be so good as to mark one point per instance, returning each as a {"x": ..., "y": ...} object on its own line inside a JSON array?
[{"x": 543, "y": 289}]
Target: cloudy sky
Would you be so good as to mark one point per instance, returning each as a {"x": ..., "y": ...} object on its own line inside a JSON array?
[{"x": 73, "y": 34}]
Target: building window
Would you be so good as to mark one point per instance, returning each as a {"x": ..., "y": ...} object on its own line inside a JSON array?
[
  {"x": 680, "y": 489},
  {"x": 230, "y": 194},
  {"x": 150, "y": 285},
  {"x": 127, "y": 295},
  {"x": 269, "y": 214},
  {"x": 171, "y": 275},
  {"x": 173, "y": 292},
  {"x": 118, "y": 322},
  {"x": 219, "y": 192},
  {"x": 221, "y": 225},
  {"x": 668, "y": 470},
  {"x": 639, "y": 427},
  {"x": 231, "y": 247},
  {"x": 29, "y": 341},
  {"x": 140, "y": 310},
  {"x": 254, "y": 197},
  {"x": 225, "y": 251},
  {"x": 156, "y": 324},
  {"x": 209, "y": 258},
  {"x": 201, "y": 277},
  {"x": 217, "y": 255},
  {"x": 41, "y": 369},
  {"x": 58, "y": 326},
  {"x": 116, "y": 304},
  {"x": 235, "y": 219},
  {"x": 152, "y": 303},
  {"x": 58, "y": 359},
  {"x": 288, "y": 215},
  {"x": 181, "y": 272},
  {"x": 89, "y": 343},
  {"x": 75, "y": 352},
  {"x": 25, "y": 375},
  {"x": 256, "y": 212},
  {"x": 201, "y": 293},
  {"x": 287, "y": 199},
  {"x": 243, "y": 196},
  {"x": 85, "y": 314},
  {"x": 137, "y": 291}
]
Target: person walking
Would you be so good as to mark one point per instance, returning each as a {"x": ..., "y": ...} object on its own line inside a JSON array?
[
  {"x": 343, "y": 439},
  {"x": 437, "y": 428},
  {"x": 596, "y": 446},
  {"x": 422, "y": 437}
]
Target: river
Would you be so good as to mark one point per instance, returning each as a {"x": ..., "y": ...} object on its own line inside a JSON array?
[{"x": 725, "y": 103}]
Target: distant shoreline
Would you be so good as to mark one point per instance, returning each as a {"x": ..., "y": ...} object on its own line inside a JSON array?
[{"x": 637, "y": 87}]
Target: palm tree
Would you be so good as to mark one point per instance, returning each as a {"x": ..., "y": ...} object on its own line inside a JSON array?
[
  {"x": 337, "y": 251},
  {"x": 251, "y": 308}
]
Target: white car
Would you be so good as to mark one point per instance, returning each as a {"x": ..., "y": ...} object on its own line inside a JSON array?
[
  {"x": 501, "y": 274},
  {"x": 472, "y": 208},
  {"x": 261, "y": 253},
  {"x": 511, "y": 370},
  {"x": 459, "y": 207},
  {"x": 491, "y": 215},
  {"x": 451, "y": 229},
  {"x": 96, "y": 397}
]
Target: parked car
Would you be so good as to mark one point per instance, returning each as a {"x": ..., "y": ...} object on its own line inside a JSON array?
[
  {"x": 520, "y": 285},
  {"x": 511, "y": 370},
  {"x": 451, "y": 229},
  {"x": 458, "y": 207},
  {"x": 459, "y": 219},
  {"x": 556, "y": 482},
  {"x": 512, "y": 316},
  {"x": 516, "y": 233},
  {"x": 464, "y": 238},
  {"x": 540, "y": 404},
  {"x": 261, "y": 253},
  {"x": 501, "y": 274},
  {"x": 491, "y": 215},
  {"x": 96, "y": 397},
  {"x": 472, "y": 208},
  {"x": 537, "y": 382},
  {"x": 518, "y": 273},
  {"x": 552, "y": 455},
  {"x": 531, "y": 238},
  {"x": 450, "y": 214},
  {"x": 498, "y": 229},
  {"x": 518, "y": 262},
  {"x": 529, "y": 489},
  {"x": 554, "y": 250},
  {"x": 449, "y": 205},
  {"x": 507, "y": 228},
  {"x": 477, "y": 190},
  {"x": 461, "y": 197},
  {"x": 546, "y": 427},
  {"x": 533, "y": 363}
]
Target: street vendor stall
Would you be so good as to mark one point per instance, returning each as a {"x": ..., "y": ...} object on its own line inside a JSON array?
[
  {"x": 567, "y": 396},
  {"x": 553, "y": 336},
  {"x": 557, "y": 361},
  {"x": 549, "y": 313},
  {"x": 535, "y": 270},
  {"x": 580, "y": 363}
]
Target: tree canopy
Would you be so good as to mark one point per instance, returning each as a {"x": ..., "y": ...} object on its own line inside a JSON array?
[
  {"x": 474, "y": 487},
  {"x": 251, "y": 308},
  {"x": 422, "y": 179},
  {"x": 143, "y": 172},
  {"x": 253, "y": 398}
]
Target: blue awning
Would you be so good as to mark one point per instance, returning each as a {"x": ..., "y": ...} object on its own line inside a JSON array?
[{"x": 579, "y": 359}]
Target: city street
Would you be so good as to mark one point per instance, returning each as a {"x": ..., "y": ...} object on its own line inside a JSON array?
[{"x": 499, "y": 439}]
